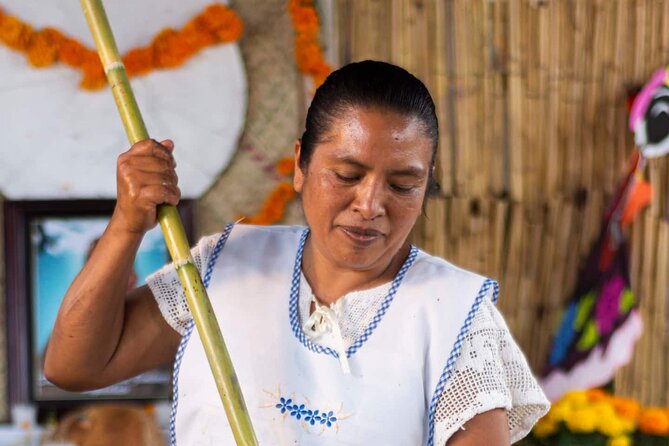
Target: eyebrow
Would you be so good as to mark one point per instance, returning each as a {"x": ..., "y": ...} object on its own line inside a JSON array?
[{"x": 407, "y": 172}]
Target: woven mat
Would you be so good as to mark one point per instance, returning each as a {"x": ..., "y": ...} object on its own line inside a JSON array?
[{"x": 274, "y": 117}]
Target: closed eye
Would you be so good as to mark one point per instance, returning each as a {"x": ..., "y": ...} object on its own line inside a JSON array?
[
  {"x": 403, "y": 188},
  {"x": 347, "y": 178}
]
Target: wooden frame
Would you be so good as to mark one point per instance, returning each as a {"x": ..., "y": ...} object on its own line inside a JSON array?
[{"x": 19, "y": 264}]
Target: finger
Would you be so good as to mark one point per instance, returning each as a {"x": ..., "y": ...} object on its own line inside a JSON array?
[
  {"x": 145, "y": 179},
  {"x": 164, "y": 152},
  {"x": 149, "y": 147},
  {"x": 155, "y": 195},
  {"x": 143, "y": 147},
  {"x": 146, "y": 148},
  {"x": 150, "y": 164}
]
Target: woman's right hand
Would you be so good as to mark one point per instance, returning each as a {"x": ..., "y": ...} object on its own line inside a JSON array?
[
  {"x": 103, "y": 334},
  {"x": 145, "y": 179}
]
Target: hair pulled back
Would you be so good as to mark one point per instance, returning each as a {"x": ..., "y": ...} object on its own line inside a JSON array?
[{"x": 369, "y": 84}]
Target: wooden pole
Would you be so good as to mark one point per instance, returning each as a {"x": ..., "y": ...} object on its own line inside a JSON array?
[{"x": 175, "y": 237}]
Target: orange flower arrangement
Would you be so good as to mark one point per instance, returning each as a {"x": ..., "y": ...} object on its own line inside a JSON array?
[
  {"x": 285, "y": 166},
  {"x": 308, "y": 52},
  {"x": 596, "y": 417},
  {"x": 654, "y": 421},
  {"x": 169, "y": 49},
  {"x": 274, "y": 206},
  {"x": 626, "y": 407}
]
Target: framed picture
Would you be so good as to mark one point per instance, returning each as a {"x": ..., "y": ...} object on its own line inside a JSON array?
[{"x": 46, "y": 244}]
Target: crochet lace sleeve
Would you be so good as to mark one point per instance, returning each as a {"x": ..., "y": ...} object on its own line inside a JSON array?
[
  {"x": 491, "y": 372},
  {"x": 167, "y": 290}
]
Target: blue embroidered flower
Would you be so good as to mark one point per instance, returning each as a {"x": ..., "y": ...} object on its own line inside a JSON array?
[
  {"x": 302, "y": 412},
  {"x": 313, "y": 417},
  {"x": 328, "y": 418},
  {"x": 298, "y": 411},
  {"x": 284, "y": 405}
]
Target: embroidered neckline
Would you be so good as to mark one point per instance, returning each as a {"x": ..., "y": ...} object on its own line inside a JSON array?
[{"x": 295, "y": 292}]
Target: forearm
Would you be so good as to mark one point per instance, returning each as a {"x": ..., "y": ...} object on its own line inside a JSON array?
[{"x": 90, "y": 321}]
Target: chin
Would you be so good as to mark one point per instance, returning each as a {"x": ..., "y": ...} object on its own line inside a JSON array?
[{"x": 356, "y": 259}]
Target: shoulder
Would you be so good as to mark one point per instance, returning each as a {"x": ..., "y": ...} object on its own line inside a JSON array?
[
  {"x": 257, "y": 246},
  {"x": 433, "y": 268},
  {"x": 442, "y": 283}
]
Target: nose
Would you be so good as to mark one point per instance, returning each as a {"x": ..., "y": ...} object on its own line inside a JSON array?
[{"x": 369, "y": 199}]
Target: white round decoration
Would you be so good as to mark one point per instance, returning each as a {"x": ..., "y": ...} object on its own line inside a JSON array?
[{"x": 58, "y": 141}]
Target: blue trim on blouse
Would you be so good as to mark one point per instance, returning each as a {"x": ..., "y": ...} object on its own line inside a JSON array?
[
  {"x": 455, "y": 352},
  {"x": 189, "y": 330},
  {"x": 295, "y": 293}
]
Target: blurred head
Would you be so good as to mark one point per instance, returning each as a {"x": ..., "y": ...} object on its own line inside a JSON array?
[{"x": 365, "y": 162}]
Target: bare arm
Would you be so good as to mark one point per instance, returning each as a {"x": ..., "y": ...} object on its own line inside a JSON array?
[
  {"x": 103, "y": 334},
  {"x": 489, "y": 428}
]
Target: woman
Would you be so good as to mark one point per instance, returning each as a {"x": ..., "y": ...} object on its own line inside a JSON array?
[{"x": 342, "y": 332}]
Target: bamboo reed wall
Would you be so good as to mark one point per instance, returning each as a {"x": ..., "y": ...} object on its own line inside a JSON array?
[{"x": 531, "y": 96}]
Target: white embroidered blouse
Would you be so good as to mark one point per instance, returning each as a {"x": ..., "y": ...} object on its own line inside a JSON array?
[{"x": 491, "y": 371}]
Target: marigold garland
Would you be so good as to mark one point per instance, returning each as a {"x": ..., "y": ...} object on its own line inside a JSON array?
[
  {"x": 274, "y": 206},
  {"x": 169, "y": 49},
  {"x": 308, "y": 52},
  {"x": 285, "y": 166}
]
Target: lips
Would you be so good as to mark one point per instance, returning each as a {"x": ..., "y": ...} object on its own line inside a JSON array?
[{"x": 361, "y": 235}]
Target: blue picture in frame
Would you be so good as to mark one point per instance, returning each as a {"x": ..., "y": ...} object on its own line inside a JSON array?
[{"x": 59, "y": 247}]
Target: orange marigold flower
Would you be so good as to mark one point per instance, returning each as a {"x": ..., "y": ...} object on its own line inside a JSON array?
[
  {"x": 169, "y": 52},
  {"x": 597, "y": 395},
  {"x": 626, "y": 408},
  {"x": 275, "y": 205},
  {"x": 232, "y": 32},
  {"x": 92, "y": 82},
  {"x": 284, "y": 191},
  {"x": 91, "y": 67},
  {"x": 308, "y": 57},
  {"x": 285, "y": 166},
  {"x": 138, "y": 61},
  {"x": 72, "y": 53},
  {"x": 295, "y": 5},
  {"x": 14, "y": 33},
  {"x": 321, "y": 72},
  {"x": 654, "y": 421},
  {"x": 222, "y": 22},
  {"x": 44, "y": 47},
  {"x": 197, "y": 35},
  {"x": 305, "y": 21}
]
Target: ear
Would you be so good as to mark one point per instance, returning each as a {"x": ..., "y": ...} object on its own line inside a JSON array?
[{"x": 298, "y": 177}]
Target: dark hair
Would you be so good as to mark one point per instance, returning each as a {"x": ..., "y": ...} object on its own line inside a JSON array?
[{"x": 370, "y": 83}]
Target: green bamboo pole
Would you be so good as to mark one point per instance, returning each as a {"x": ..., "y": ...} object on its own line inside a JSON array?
[{"x": 175, "y": 236}]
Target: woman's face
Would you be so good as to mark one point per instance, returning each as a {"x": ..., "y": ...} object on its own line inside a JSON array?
[{"x": 364, "y": 187}]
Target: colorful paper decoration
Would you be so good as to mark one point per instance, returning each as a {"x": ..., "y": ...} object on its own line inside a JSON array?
[
  {"x": 600, "y": 323},
  {"x": 649, "y": 118}
]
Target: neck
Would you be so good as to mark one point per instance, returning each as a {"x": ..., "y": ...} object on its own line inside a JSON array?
[{"x": 330, "y": 281}]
